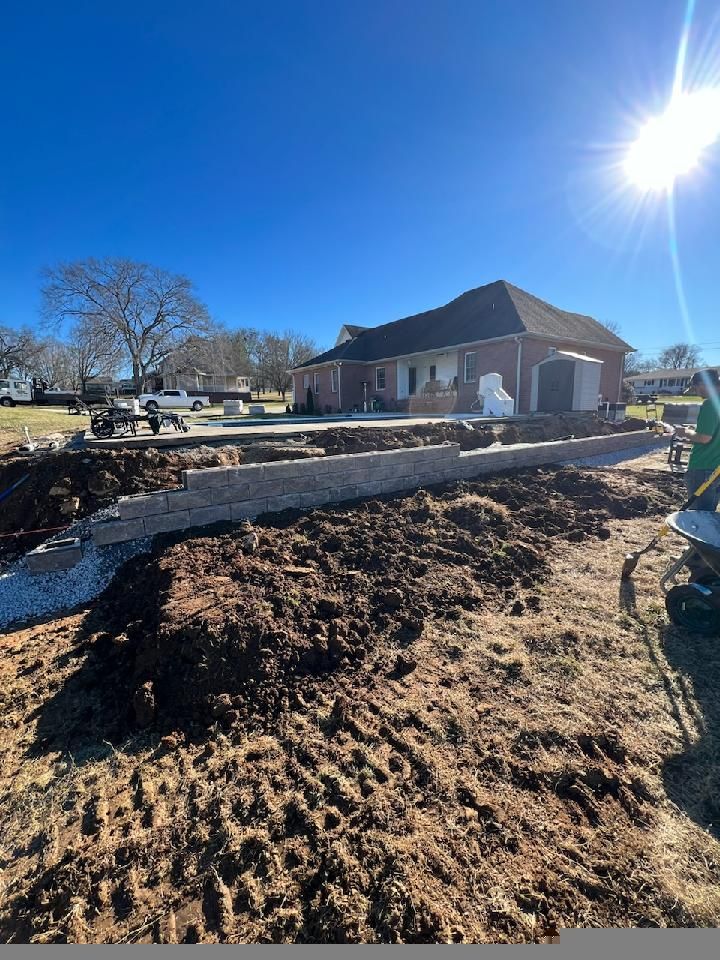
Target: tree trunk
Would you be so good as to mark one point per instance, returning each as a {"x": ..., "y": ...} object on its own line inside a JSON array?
[{"x": 136, "y": 376}]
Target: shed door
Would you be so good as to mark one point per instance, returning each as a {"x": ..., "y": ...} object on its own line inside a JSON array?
[{"x": 555, "y": 385}]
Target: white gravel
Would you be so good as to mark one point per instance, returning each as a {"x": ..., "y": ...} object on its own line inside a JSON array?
[{"x": 25, "y": 595}]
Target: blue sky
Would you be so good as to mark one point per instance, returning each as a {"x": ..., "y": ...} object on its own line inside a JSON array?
[{"x": 314, "y": 163}]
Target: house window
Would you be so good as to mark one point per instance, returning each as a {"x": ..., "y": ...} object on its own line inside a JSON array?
[
  {"x": 306, "y": 381},
  {"x": 379, "y": 378},
  {"x": 648, "y": 383},
  {"x": 316, "y": 378},
  {"x": 433, "y": 372},
  {"x": 470, "y": 367},
  {"x": 334, "y": 379}
]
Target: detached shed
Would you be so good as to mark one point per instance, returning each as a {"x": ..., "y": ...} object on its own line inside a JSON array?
[{"x": 565, "y": 381}]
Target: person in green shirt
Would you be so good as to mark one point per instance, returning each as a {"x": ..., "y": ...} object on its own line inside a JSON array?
[{"x": 705, "y": 439}]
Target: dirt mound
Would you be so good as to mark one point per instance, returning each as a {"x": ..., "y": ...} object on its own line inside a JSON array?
[
  {"x": 71, "y": 484},
  {"x": 220, "y": 634},
  {"x": 360, "y": 439},
  {"x": 474, "y": 775}
]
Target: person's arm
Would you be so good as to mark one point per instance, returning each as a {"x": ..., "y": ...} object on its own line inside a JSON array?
[
  {"x": 693, "y": 436},
  {"x": 706, "y": 427}
]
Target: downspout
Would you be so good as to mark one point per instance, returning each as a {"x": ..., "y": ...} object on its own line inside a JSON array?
[{"x": 518, "y": 340}]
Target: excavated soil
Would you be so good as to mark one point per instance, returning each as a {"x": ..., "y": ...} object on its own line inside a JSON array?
[
  {"x": 71, "y": 484},
  {"x": 86, "y": 480},
  {"x": 413, "y": 719},
  {"x": 561, "y": 426},
  {"x": 217, "y": 633}
]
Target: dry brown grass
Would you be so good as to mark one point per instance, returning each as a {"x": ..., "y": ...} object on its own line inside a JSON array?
[{"x": 556, "y": 763}]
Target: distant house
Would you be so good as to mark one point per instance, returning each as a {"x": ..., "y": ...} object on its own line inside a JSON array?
[
  {"x": 169, "y": 377},
  {"x": 664, "y": 381},
  {"x": 433, "y": 360}
]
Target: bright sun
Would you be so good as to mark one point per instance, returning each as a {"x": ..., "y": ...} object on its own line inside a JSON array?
[{"x": 671, "y": 144}]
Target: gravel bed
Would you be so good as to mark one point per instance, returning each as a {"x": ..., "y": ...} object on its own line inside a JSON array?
[
  {"x": 25, "y": 595},
  {"x": 610, "y": 459}
]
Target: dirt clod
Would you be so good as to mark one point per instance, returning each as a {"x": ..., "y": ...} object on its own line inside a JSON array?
[{"x": 144, "y": 704}]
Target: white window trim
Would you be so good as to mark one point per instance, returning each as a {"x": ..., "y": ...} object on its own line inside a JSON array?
[
  {"x": 333, "y": 380},
  {"x": 316, "y": 383},
  {"x": 470, "y": 353},
  {"x": 306, "y": 381},
  {"x": 377, "y": 370}
]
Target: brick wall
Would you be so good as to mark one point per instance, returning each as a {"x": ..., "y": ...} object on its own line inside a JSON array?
[
  {"x": 351, "y": 392},
  {"x": 501, "y": 357},
  {"x": 235, "y": 493}
]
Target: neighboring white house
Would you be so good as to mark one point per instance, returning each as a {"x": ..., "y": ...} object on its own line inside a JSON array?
[
  {"x": 170, "y": 377},
  {"x": 664, "y": 381}
]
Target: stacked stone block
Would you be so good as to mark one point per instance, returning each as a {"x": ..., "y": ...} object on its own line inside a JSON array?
[{"x": 217, "y": 494}]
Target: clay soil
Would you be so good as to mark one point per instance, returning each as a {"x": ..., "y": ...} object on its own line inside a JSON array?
[{"x": 437, "y": 717}]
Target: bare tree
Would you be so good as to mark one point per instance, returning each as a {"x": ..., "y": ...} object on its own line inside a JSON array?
[
  {"x": 635, "y": 363},
  {"x": 613, "y": 326},
  {"x": 680, "y": 356},
  {"x": 54, "y": 363},
  {"x": 18, "y": 350},
  {"x": 91, "y": 354},
  {"x": 146, "y": 309},
  {"x": 220, "y": 351},
  {"x": 280, "y": 353}
]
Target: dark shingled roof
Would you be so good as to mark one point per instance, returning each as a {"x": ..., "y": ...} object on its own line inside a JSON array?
[{"x": 496, "y": 310}]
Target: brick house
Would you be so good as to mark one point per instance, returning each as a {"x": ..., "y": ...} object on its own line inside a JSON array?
[{"x": 432, "y": 361}]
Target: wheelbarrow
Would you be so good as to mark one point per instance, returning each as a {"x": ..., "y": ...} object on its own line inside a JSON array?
[{"x": 695, "y": 606}]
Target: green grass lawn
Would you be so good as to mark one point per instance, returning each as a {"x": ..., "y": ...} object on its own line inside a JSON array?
[
  {"x": 641, "y": 410},
  {"x": 38, "y": 420}
]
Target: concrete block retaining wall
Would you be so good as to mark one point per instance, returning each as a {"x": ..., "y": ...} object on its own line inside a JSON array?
[{"x": 238, "y": 493}]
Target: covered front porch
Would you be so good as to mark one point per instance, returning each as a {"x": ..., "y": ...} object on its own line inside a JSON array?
[{"x": 428, "y": 383}]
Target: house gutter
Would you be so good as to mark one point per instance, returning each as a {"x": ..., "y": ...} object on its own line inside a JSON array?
[
  {"x": 518, "y": 340},
  {"x": 449, "y": 348},
  {"x": 338, "y": 364}
]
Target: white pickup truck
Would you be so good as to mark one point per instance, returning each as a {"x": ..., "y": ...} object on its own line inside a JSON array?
[{"x": 171, "y": 399}]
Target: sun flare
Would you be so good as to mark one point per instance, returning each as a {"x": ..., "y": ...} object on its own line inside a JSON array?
[{"x": 672, "y": 143}]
